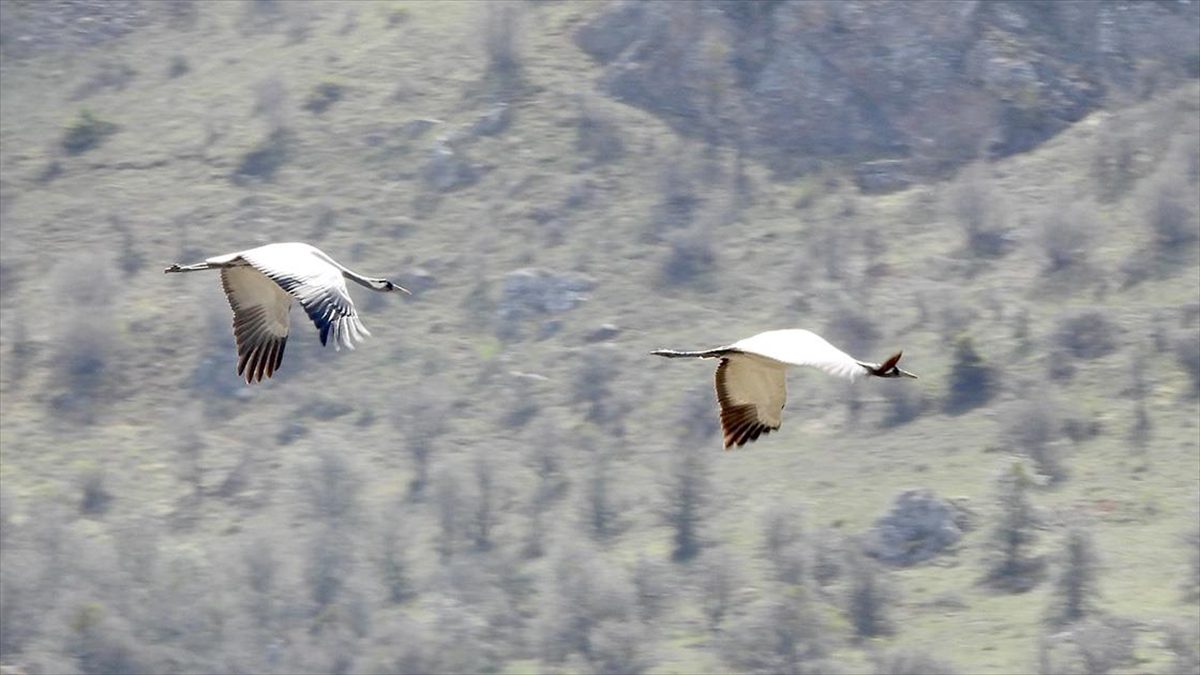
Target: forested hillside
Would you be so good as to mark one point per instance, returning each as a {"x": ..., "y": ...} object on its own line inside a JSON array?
[{"x": 502, "y": 479}]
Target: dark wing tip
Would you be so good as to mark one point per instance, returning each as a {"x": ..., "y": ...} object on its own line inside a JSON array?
[{"x": 890, "y": 363}]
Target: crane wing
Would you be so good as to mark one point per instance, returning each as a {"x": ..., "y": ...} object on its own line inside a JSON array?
[
  {"x": 318, "y": 286},
  {"x": 799, "y": 347},
  {"x": 751, "y": 393},
  {"x": 260, "y": 320}
]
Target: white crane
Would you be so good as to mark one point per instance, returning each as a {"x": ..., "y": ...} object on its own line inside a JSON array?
[
  {"x": 751, "y": 383},
  {"x": 260, "y": 284}
]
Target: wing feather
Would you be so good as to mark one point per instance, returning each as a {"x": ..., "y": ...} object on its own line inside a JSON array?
[
  {"x": 260, "y": 320},
  {"x": 318, "y": 286},
  {"x": 751, "y": 393}
]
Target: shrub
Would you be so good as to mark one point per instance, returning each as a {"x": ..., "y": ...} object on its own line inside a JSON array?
[
  {"x": 328, "y": 565},
  {"x": 1191, "y": 582},
  {"x": 1187, "y": 351},
  {"x": 331, "y": 487},
  {"x": 1007, "y": 560},
  {"x": 265, "y": 158},
  {"x": 780, "y": 634},
  {"x": 500, "y": 40},
  {"x": 1075, "y": 592},
  {"x": 721, "y": 579},
  {"x": 910, "y": 662},
  {"x": 1033, "y": 426},
  {"x": 979, "y": 212},
  {"x": 1066, "y": 237},
  {"x": 869, "y": 597},
  {"x": 972, "y": 382},
  {"x": 323, "y": 96},
  {"x": 598, "y": 136},
  {"x": 785, "y": 544},
  {"x": 95, "y": 497},
  {"x": 86, "y": 132},
  {"x": 691, "y": 258},
  {"x": 1171, "y": 213},
  {"x": 904, "y": 404},
  {"x": 1087, "y": 335},
  {"x": 687, "y": 493}
]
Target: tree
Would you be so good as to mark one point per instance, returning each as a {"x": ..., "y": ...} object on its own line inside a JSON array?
[
  {"x": 686, "y": 497},
  {"x": 1009, "y": 565},
  {"x": 1075, "y": 590}
]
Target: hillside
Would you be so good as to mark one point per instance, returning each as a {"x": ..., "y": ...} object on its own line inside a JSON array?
[{"x": 499, "y": 479}]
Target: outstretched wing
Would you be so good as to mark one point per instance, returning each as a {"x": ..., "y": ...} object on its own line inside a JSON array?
[
  {"x": 260, "y": 320},
  {"x": 319, "y": 287},
  {"x": 799, "y": 347},
  {"x": 751, "y": 393}
]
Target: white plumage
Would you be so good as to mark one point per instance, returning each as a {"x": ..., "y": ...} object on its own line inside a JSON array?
[
  {"x": 751, "y": 377},
  {"x": 260, "y": 284}
]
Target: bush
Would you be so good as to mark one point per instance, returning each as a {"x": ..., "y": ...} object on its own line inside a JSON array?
[
  {"x": 1187, "y": 351},
  {"x": 1087, "y": 335},
  {"x": 721, "y": 579},
  {"x": 785, "y": 544},
  {"x": 780, "y": 634},
  {"x": 1075, "y": 592},
  {"x": 869, "y": 598},
  {"x": 972, "y": 382},
  {"x": 1009, "y": 565},
  {"x": 978, "y": 210},
  {"x": 904, "y": 404},
  {"x": 332, "y": 488},
  {"x": 323, "y": 96},
  {"x": 86, "y": 132},
  {"x": 691, "y": 258},
  {"x": 909, "y": 662},
  {"x": 265, "y": 158},
  {"x": 500, "y": 40},
  {"x": 687, "y": 500},
  {"x": 1066, "y": 237},
  {"x": 598, "y": 136},
  {"x": 1033, "y": 427},
  {"x": 95, "y": 498},
  {"x": 1171, "y": 213}
]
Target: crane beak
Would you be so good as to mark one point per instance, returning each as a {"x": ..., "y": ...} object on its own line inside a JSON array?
[{"x": 905, "y": 373}]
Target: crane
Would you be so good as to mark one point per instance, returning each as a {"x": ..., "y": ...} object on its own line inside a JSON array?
[
  {"x": 751, "y": 383},
  {"x": 260, "y": 284}
]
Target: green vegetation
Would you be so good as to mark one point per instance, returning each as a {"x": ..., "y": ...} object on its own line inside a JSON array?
[
  {"x": 86, "y": 132},
  {"x": 500, "y": 479}
]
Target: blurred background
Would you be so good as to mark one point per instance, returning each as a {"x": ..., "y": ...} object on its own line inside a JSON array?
[{"x": 502, "y": 480}]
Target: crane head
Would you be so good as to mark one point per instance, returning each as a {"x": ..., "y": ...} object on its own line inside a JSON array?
[
  {"x": 387, "y": 286},
  {"x": 890, "y": 369}
]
